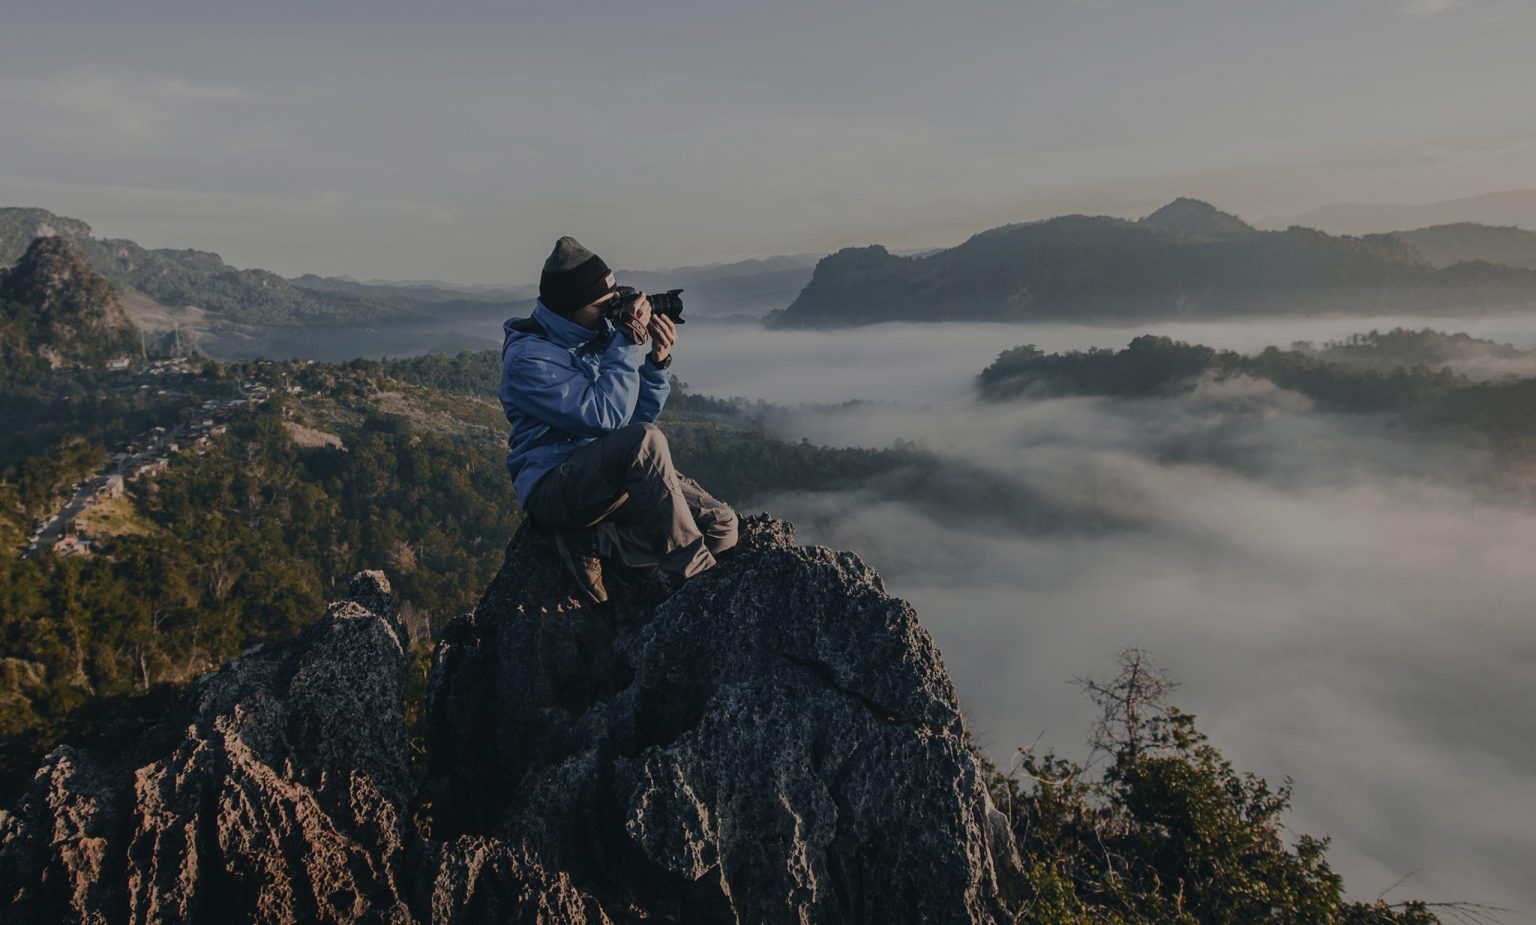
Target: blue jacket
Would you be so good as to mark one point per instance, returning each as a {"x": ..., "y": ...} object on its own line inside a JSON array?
[{"x": 564, "y": 386}]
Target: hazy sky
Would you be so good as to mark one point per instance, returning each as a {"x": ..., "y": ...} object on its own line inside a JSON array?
[{"x": 457, "y": 140}]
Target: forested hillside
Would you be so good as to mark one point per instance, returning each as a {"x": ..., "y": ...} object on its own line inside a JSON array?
[
  {"x": 54, "y": 311},
  {"x": 360, "y": 465},
  {"x": 1408, "y": 375}
]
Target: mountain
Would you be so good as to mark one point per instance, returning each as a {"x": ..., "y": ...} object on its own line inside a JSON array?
[
  {"x": 1443, "y": 245},
  {"x": 55, "y": 308},
  {"x": 776, "y": 742},
  {"x": 179, "y": 278},
  {"x": 1192, "y": 218},
  {"x": 1185, "y": 261},
  {"x": 1512, "y": 207}
]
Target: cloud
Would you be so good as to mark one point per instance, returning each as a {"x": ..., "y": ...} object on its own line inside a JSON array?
[{"x": 1345, "y": 604}]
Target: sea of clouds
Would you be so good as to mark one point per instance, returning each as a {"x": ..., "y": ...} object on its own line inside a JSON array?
[{"x": 1344, "y": 602}]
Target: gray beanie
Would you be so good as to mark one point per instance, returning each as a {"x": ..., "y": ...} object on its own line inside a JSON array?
[{"x": 573, "y": 276}]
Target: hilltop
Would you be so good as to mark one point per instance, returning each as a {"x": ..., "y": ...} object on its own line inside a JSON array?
[
  {"x": 1192, "y": 218},
  {"x": 56, "y": 311}
]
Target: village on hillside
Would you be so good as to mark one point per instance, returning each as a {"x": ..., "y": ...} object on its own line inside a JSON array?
[{"x": 65, "y": 533}]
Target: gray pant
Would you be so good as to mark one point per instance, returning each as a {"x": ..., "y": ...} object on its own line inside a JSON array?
[{"x": 623, "y": 488}]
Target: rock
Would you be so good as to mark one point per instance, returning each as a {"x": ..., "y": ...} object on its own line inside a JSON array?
[
  {"x": 275, "y": 794},
  {"x": 778, "y": 742}
]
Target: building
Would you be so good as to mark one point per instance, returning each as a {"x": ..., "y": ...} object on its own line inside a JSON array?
[{"x": 71, "y": 544}]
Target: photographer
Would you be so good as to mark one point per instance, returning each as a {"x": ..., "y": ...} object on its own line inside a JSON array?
[{"x": 587, "y": 459}]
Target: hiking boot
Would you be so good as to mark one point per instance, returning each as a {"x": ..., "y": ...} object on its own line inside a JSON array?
[{"x": 579, "y": 554}]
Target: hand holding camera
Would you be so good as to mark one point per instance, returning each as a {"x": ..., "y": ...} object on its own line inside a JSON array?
[
  {"x": 637, "y": 320},
  {"x": 665, "y": 333},
  {"x": 638, "y": 314}
]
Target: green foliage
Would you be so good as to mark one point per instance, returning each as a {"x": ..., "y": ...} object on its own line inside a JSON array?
[
  {"x": 1353, "y": 375},
  {"x": 1167, "y": 831},
  {"x": 1401, "y": 347},
  {"x": 469, "y": 372},
  {"x": 248, "y": 544}
]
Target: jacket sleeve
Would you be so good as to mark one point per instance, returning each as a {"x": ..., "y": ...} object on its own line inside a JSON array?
[
  {"x": 654, "y": 389},
  {"x": 544, "y": 386}
]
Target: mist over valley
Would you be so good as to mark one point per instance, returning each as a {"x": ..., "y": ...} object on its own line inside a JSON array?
[{"x": 1345, "y": 599}]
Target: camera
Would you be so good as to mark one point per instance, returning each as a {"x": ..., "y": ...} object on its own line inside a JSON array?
[{"x": 669, "y": 303}]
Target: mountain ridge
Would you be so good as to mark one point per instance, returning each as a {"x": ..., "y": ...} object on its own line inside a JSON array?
[
  {"x": 186, "y": 277},
  {"x": 1186, "y": 261}
]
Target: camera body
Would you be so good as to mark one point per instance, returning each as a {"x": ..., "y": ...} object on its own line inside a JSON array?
[{"x": 668, "y": 303}]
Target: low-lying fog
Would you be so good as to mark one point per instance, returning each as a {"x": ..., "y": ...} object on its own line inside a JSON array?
[{"x": 1341, "y": 605}]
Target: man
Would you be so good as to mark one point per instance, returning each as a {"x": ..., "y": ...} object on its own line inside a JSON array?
[{"x": 587, "y": 459}]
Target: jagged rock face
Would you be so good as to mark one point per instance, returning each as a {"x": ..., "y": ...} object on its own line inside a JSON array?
[
  {"x": 275, "y": 795},
  {"x": 778, "y": 742}
]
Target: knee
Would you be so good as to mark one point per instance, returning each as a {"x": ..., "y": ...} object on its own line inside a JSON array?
[
  {"x": 719, "y": 528},
  {"x": 642, "y": 435},
  {"x": 650, "y": 444},
  {"x": 650, "y": 435}
]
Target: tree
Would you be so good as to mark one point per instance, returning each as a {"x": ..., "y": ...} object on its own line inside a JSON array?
[{"x": 1168, "y": 830}]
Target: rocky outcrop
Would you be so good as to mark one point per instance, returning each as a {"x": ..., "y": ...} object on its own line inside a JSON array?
[
  {"x": 275, "y": 794},
  {"x": 777, "y": 742},
  {"x": 67, "y": 313}
]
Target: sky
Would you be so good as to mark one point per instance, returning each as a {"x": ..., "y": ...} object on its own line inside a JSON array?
[{"x": 457, "y": 140}]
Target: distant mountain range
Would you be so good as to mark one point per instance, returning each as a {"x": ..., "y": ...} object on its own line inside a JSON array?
[
  {"x": 1444, "y": 245},
  {"x": 1511, "y": 207},
  {"x": 157, "y": 283},
  {"x": 178, "y": 278},
  {"x": 1186, "y": 260}
]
